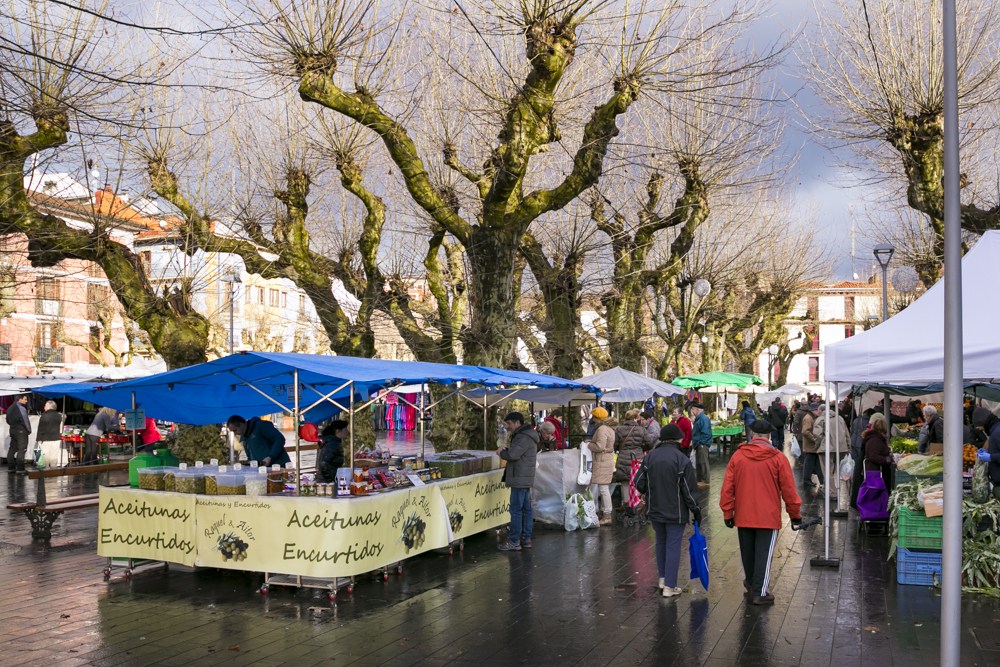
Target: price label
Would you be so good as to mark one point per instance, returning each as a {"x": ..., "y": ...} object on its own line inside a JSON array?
[{"x": 135, "y": 420}]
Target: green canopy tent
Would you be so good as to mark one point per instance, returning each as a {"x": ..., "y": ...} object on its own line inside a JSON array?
[{"x": 717, "y": 381}]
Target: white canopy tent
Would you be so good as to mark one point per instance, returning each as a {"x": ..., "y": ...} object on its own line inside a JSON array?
[
  {"x": 542, "y": 398},
  {"x": 909, "y": 347}
]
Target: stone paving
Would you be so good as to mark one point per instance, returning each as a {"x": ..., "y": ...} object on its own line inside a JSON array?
[{"x": 584, "y": 598}]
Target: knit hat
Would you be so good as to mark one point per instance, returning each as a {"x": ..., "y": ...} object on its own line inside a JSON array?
[
  {"x": 671, "y": 432},
  {"x": 599, "y": 413},
  {"x": 761, "y": 426},
  {"x": 980, "y": 416}
]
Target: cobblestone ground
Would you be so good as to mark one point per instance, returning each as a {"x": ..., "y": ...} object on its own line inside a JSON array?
[{"x": 584, "y": 598}]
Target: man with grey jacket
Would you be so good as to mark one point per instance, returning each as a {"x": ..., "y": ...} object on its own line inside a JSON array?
[{"x": 519, "y": 475}]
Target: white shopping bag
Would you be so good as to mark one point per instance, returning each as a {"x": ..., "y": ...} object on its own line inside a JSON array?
[
  {"x": 586, "y": 465},
  {"x": 795, "y": 450},
  {"x": 571, "y": 512},
  {"x": 589, "y": 518}
]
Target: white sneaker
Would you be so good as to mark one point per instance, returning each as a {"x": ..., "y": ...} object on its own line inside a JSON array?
[
  {"x": 661, "y": 583},
  {"x": 672, "y": 592}
]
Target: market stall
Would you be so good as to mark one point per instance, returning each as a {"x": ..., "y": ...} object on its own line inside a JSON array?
[
  {"x": 313, "y": 387},
  {"x": 908, "y": 349}
]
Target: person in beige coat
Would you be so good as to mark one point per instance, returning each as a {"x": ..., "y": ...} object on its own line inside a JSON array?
[
  {"x": 602, "y": 444},
  {"x": 810, "y": 447}
]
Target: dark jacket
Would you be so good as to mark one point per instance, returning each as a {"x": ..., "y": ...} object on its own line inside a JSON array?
[
  {"x": 935, "y": 429},
  {"x": 262, "y": 440},
  {"x": 877, "y": 452},
  {"x": 632, "y": 441},
  {"x": 669, "y": 480},
  {"x": 992, "y": 427},
  {"x": 15, "y": 420},
  {"x": 701, "y": 431},
  {"x": 797, "y": 418},
  {"x": 748, "y": 416},
  {"x": 331, "y": 457},
  {"x": 777, "y": 414},
  {"x": 858, "y": 427},
  {"x": 49, "y": 425},
  {"x": 520, "y": 457}
]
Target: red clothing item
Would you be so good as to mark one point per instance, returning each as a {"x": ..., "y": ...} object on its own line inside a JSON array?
[
  {"x": 684, "y": 424},
  {"x": 558, "y": 434},
  {"x": 150, "y": 434},
  {"x": 757, "y": 478}
]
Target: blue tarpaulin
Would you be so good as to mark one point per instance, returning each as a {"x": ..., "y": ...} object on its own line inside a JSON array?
[{"x": 242, "y": 384}]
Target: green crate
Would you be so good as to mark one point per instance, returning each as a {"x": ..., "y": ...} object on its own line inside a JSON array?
[{"x": 917, "y": 531}]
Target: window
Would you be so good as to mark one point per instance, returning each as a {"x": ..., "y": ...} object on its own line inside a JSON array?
[
  {"x": 848, "y": 330},
  {"x": 98, "y": 300},
  {"x": 302, "y": 305},
  {"x": 849, "y": 308},
  {"x": 284, "y": 299},
  {"x": 47, "y": 301},
  {"x": 815, "y": 341},
  {"x": 814, "y": 369},
  {"x": 260, "y": 295},
  {"x": 7, "y": 291},
  {"x": 272, "y": 295}
]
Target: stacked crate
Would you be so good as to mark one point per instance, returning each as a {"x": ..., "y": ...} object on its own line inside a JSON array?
[{"x": 918, "y": 548}]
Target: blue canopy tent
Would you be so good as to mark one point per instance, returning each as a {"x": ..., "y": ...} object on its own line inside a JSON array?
[{"x": 257, "y": 383}]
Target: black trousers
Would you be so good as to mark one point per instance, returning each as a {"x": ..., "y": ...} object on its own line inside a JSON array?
[
  {"x": 18, "y": 447},
  {"x": 756, "y": 549}
]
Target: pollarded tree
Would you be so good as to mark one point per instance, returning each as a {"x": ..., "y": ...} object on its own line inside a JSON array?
[
  {"x": 64, "y": 77},
  {"x": 878, "y": 69},
  {"x": 336, "y": 51}
]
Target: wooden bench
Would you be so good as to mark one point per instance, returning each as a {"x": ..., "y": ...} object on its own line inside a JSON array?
[{"x": 42, "y": 513}]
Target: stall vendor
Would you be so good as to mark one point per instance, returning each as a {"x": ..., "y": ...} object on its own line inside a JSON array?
[
  {"x": 984, "y": 419},
  {"x": 261, "y": 440},
  {"x": 106, "y": 421},
  {"x": 331, "y": 453},
  {"x": 149, "y": 434}
]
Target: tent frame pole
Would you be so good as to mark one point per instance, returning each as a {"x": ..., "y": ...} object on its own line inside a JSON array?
[
  {"x": 825, "y": 560},
  {"x": 951, "y": 568},
  {"x": 295, "y": 428},
  {"x": 839, "y": 424}
]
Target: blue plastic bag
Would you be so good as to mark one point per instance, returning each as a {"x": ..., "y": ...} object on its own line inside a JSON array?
[{"x": 698, "y": 554}]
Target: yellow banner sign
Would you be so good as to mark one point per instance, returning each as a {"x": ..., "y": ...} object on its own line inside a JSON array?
[
  {"x": 476, "y": 503},
  {"x": 319, "y": 537},
  {"x": 146, "y": 524}
]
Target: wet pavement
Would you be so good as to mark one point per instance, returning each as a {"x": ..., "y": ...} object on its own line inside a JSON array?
[{"x": 583, "y": 598}]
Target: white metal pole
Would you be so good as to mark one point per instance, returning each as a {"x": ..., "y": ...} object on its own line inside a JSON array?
[
  {"x": 421, "y": 421},
  {"x": 951, "y": 571},
  {"x": 295, "y": 427},
  {"x": 826, "y": 478}
]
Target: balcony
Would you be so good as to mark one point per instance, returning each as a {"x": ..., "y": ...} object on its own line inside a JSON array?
[
  {"x": 5, "y": 352},
  {"x": 49, "y": 355}
]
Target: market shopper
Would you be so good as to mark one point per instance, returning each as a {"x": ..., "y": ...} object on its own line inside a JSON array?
[
  {"x": 106, "y": 421},
  {"x": 632, "y": 441},
  {"x": 19, "y": 428},
  {"x": 757, "y": 479},
  {"x": 858, "y": 428},
  {"x": 262, "y": 442},
  {"x": 547, "y": 441},
  {"x": 520, "y": 454},
  {"x": 701, "y": 440},
  {"x": 47, "y": 439},
  {"x": 777, "y": 414},
  {"x": 678, "y": 417},
  {"x": 810, "y": 448},
  {"x": 932, "y": 431},
  {"x": 748, "y": 416},
  {"x": 878, "y": 456},
  {"x": 668, "y": 479},
  {"x": 652, "y": 426},
  {"x": 331, "y": 450},
  {"x": 603, "y": 472}
]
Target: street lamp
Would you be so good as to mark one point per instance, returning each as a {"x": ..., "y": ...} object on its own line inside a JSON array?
[
  {"x": 772, "y": 352},
  {"x": 883, "y": 255},
  {"x": 233, "y": 278}
]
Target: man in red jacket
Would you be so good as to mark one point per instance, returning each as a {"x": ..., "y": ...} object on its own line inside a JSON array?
[{"x": 757, "y": 478}]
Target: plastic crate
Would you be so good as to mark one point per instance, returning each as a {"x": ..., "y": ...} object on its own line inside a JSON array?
[
  {"x": 917, "y": 568},
  {"x": 917, "y": 531},
  {"x": 905, "y": 478}
]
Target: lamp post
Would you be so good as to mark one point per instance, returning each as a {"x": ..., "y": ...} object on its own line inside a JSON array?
[
  {"x": 772, "y": 352},
  {"x": 883, "y": 255},
  {"x": 233, "y": 278}
]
